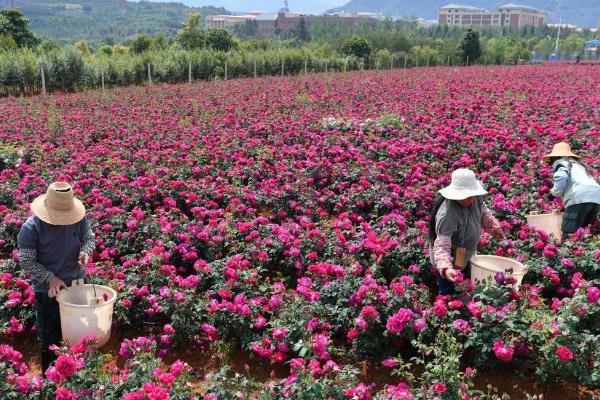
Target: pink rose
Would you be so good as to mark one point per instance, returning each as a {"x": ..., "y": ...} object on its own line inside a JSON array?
[
  {"x": 389, "y": 362},
  {"x": 593, "y": 294},
  {"x": 502, "y": 352},
  {"x": 65, "y": 394},
  {"x": 397, "y": 322},
  {"x": 439, "y": 309},
  {"x": 564, "y": 354},
  {"x": 279, "y": 333},
  {"x": 65, "y": 366},
  {"x": 439, "y": 387}
]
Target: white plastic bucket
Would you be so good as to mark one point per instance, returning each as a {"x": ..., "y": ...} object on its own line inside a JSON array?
[
  {"x": 549, "y": 223},
  {"x": 483, "y": 267},
  {"x": 81, "y": 316}
]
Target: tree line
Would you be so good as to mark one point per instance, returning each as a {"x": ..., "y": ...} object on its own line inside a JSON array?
[{"x": 198, "y": 53}]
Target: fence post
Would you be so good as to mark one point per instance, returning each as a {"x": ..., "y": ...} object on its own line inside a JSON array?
[
  {"x": 427, "y": 62},
  {"x": 405, "y": 60},
  {"x": 326, "y": 65},
  {"x": 149, "y": 76},
  {"x": 305, "y": 65},
  {"x": 102, "y": 78},
  {"x": 225, "y": 70},
  {"x": 190, "y": 72},
  {"x": 43, "y": 81},
  {"x": 417, "y": 60},
  {"x": 448, "y": 61},
  {"x": 467, "y": 61},
  {"x": 254, "y": 69},
  {"x": 282, "y": 67},
  {"x": 392, "y": 62}
]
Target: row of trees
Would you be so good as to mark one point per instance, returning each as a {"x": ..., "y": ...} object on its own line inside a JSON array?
[
  {"x": 206, "y": 52},
  {"x": 69, "y": 68}
]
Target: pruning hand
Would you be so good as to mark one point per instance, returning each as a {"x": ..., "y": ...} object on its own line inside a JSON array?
[
  {"x": 450, "y": 275},
  {"x": 54, "y": 286},
  {"x": 84, "y": 258}
]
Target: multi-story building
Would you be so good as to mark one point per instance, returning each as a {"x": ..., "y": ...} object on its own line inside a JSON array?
[
  {"x": 509, "y": 15},
  {"x": 284, "y": 20},
  {"x": 266, "y": 23},
  {"x": 227, "y": 21}
]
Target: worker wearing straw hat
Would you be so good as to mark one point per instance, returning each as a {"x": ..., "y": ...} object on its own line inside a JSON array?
[
  {"x": 574, "y": 182},
  {"x": 55, "y": 244},
  {"x": 457, "y": 220}
]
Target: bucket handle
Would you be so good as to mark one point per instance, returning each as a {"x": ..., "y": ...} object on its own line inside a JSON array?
[{"x": 79, "y": 281}]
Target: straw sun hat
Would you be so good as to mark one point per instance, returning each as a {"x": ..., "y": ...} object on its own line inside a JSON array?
[
  {"x": 58, "y": 206},
  {"x": 463, "y": 185},
  {"x": 561, "y": 149}
]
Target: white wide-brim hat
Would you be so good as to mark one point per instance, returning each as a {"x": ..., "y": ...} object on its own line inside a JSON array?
[
  {"x": 58, "y": 206},
  {"x": 464, "y": 184}
]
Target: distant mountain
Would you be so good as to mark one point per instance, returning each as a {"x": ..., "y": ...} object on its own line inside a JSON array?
[
  {"x": 306, "y": 6},
  {"x": 583, "y": 13},
  {"x": 99, "y": 21}
]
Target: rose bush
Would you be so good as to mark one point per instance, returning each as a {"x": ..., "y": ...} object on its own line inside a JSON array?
[{"x": 231, "y": 212}]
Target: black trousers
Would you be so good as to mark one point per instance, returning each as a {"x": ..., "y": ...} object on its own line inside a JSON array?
[
  {"x": 579, "y": 216},
  {"x": 48, "y": 326}
]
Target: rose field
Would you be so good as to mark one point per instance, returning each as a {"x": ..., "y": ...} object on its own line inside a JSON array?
[{"x": 268, "y": 237}]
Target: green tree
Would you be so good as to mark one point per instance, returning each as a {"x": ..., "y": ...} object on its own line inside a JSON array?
[
  {"x": 160, "y": 42},
  {"x": 106, "y": 50},
  {"x": 191, "y": 37},
  {"x": 572, "y": 45},
  {"x": 516, "y": 53},
  {"x": 495, "y": 50},
  {"x": 220, "y": 39},
  {"x": 469, "y": 49},
  {"x": 302, "y": 30},
  {"x": 64, "y": 68},
  {"x": 357, "y": 46},
  {"x": 141, "y": 44},
  {"x": 83, "y": 48},
  {"x": 544, "y": 48},
  {"x": 7, "y": 42},
  {"x": 247, "y": 29},
  {"x": 426, "y": 55},
  {"x": 14, "y": 24},
  {"x": 47, "y": 45}
]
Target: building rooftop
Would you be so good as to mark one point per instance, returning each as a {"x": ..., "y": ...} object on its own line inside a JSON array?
[
  {"x": 266, "y": 17},
  {"x": 461, "y": 7},
  {"x": 513, "y": 5},
  {"x": 229, "y": 17}
]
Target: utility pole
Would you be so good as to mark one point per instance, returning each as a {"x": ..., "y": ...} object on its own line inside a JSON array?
[{"x": 557, "y": 36}]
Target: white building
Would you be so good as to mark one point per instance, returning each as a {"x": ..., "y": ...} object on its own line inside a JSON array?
[{"x": 509, "y": 15}]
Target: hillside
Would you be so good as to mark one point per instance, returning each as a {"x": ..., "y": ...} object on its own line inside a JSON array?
[
  {"x": 98, "y": 21},
  {"x": 584, "y": 13},
  {"x": 308, "y": 6}
]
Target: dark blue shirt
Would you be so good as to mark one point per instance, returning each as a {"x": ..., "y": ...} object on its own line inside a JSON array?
[{"x": 56, "y": 248}]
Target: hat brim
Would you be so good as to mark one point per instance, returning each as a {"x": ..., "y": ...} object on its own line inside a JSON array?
[
  {"x": 558, "y": 155},
  {"x": 452, "y": 193},
  {"x": 55, "y": 217}
]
